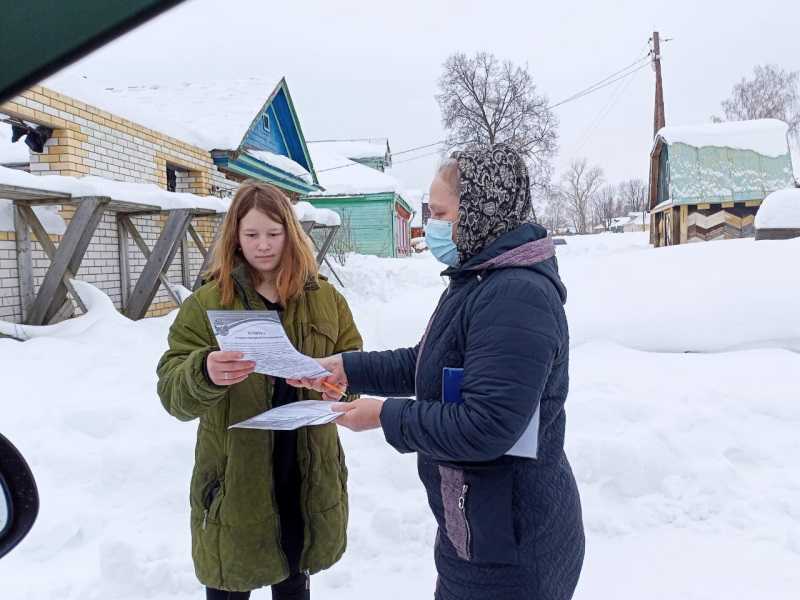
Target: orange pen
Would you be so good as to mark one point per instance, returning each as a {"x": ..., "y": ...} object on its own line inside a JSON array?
[{"x": 334, "y": 388}]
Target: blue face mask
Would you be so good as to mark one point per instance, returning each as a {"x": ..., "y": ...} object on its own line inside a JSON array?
[{"x": 439, "y": 238}]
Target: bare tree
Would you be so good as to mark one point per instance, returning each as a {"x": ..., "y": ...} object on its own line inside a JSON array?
[
  {"x": 579, "y": 185},
  {"x": 484, "y": 101},
  {"x": 554, "y": 211},
  {"x": 633, "y": 195},
  {"x": 605, "y": 207},
  {"x": 773, "y": 93}
]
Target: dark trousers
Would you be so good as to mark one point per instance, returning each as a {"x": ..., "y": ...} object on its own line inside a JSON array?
[{"x": 294, "y": 588}]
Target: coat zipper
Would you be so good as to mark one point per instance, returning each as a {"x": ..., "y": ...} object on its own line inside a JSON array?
[{"x": 462, "y": 506}]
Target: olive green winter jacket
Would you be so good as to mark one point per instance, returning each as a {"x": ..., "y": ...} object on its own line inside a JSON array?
[{"x": 234, "y": 516}]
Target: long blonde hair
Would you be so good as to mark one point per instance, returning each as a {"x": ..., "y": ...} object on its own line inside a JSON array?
[{"x": 298, "y": 265}]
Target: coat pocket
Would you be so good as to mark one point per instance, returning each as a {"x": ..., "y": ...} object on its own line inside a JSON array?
[
  {"x": 211, "y": 502},
  {"x": 478, "y": 512}
]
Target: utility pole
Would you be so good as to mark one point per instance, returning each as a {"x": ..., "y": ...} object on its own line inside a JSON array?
[{"x": 659, "y": 120}]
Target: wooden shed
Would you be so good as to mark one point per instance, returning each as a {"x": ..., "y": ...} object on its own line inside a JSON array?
[{"x": 707, "y": 181}]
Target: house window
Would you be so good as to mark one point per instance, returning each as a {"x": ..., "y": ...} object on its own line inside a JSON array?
[
  {"x": 265, "y": 122},
  {"x": 172, "y": 179}
]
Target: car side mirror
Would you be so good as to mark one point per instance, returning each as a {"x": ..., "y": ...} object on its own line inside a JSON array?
[{"x": 19, "y": 499}]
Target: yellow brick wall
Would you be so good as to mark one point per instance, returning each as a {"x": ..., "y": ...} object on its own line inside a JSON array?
[
  {"x": 159, "y": 309},
  {"x": 72, "y": 150}
]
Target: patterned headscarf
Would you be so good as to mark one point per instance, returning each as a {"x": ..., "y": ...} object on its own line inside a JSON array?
[{"x": 495, "y": 197}]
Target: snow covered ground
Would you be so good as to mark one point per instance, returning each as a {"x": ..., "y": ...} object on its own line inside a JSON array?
[{"x": 682, "y": 430}]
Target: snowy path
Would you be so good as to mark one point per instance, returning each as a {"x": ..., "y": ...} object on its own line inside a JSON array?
[{"x": 687, "y": 463}]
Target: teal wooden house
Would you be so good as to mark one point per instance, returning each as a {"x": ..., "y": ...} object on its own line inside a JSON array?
[
  {"x": 707, "y": 182},
  {"x": 375, "y": 216}
]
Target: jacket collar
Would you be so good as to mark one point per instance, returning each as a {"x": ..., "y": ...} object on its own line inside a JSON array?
[{"x": 247, "y": 291}]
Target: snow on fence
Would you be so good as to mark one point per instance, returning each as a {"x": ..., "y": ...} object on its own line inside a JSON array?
[{"x": 140, "y": 244}]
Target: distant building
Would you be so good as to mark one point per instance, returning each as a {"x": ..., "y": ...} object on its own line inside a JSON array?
[
  {"x": 370, "y": 152},
  {"x": 707, "y": 182},
  {"x": 375, "y": 216},
  {"x": 422, "y": 212}
]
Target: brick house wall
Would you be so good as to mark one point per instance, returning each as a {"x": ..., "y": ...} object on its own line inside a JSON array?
[{"x": 89, "y": 141}]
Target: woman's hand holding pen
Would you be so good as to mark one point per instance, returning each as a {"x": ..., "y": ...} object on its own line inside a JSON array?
[
  {"x": 360, "y": 414},
  {"x": 332, "y": 387}
]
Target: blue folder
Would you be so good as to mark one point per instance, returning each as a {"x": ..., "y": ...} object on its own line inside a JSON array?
[
  {"x": 527, "y": 445},
  {"x": 451, "y": 385}
]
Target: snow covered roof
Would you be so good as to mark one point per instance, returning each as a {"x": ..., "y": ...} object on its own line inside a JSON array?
[
  {"x": 356, "y": 149},
  {"x": 620, "y": 221},
  {"x": 135, "y": 193},
  {"x": 764, "y": 136},
  {"x": 284, "y": 163},
  {"x": 12, "y": 152},
  {"x": 210, "y": 115},
  {"x": 341, "y": 176},
  {"x": 780, "y": 210}
]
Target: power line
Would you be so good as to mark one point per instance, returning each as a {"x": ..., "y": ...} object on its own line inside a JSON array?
[
  {"x": 401, "y": 152},
  {"x": 622, "y": 74},
  {"x": 616, "y": 96},
  {"x": 599, "y": 85},
  {"x": 400, "y": 162},
  {"x": 431, "y": 145}
]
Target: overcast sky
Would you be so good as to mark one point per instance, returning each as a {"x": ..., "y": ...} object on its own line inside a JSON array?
[{"x": 370, "y": 69}]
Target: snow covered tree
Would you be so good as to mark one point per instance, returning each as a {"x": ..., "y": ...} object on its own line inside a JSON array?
[
  {"x": 484, "y": 101},
  {"x": 579, "y": 185},
  {"x": 772, "y": 92}
]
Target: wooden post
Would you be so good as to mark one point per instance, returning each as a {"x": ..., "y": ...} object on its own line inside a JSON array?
[
  {"x": 67, "y": 259},
  {"x": 659, "y": 118},
  {"x": 197, "y": 240},
  {"x": 30, "y": 218},
  {"x": 24, "y": 262},
  {"x": 185, "y": 275},
  {"x": 124, "y": 264},
  {"x": 684, "y": 221},
  {"x": 137, "y": 238},
  {"x": 157, "y": 264},
  {"x": 322, "y": 252},
  {"x": 676, "y": 225},
  {"x": 326, "y": 244},
  {"x": 208, "y": 255}
]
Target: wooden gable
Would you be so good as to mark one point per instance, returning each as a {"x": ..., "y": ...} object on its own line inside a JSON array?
[{"x": 276, "y": 128}]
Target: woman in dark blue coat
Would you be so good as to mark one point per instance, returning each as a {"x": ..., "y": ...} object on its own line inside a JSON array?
[{"x": 490, "y": 437}]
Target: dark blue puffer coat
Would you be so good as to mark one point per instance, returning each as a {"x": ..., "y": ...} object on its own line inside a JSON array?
[{"x": 510, "y": 528}]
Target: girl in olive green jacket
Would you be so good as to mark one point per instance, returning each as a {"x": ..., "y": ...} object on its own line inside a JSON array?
[{"x": 267, "y": 508}]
